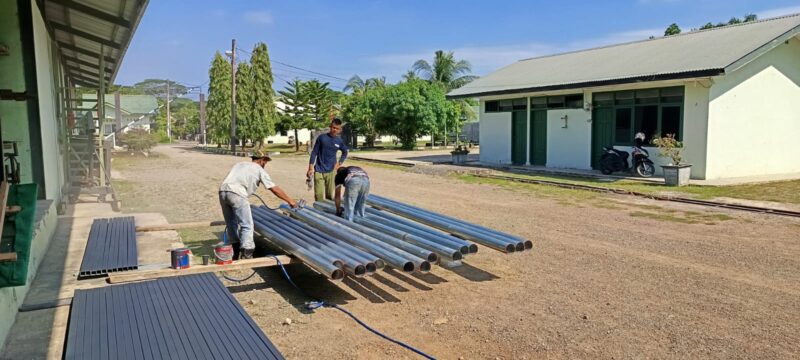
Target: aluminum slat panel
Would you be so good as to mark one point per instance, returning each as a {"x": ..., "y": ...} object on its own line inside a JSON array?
[{"x": 111, "y": 247}]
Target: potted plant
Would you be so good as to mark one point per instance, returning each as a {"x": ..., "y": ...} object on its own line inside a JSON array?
[
  {"x": 677, "y": 172},
  {"x": 460, "y": 154}
]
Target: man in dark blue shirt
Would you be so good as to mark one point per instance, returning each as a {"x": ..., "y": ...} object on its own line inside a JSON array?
[{"x": 322, "y": 164}]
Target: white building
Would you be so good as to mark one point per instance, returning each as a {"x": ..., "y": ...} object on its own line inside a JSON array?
[{"x": 728, "y": 93}]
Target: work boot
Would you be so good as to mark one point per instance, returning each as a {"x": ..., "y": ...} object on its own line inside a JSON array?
[{"x": 246, "y": 254}]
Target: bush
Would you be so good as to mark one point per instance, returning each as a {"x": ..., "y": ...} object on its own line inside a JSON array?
[
  {"x": 670, "y": 147},
  {"x": 139, "y": 140}
]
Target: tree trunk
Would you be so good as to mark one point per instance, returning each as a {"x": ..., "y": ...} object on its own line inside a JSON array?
[{"x": 296, "y": 141}]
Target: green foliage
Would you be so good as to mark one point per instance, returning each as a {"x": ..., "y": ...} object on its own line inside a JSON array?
[
  {"x": 732, "y": 21},
  {"x": 185, "y": 117},
  {"x": 673, "y": 29},
  {"x": 158, "y": 87},
  {"x": 669, "y": 147},
  {"x": 320, "y": 103},
  {"x": 218, "y": 107},
  {"x": 264, "y": 115},
  {"x": 413, "y": 108},
  {"x": 244, "y": 101},
  {"x": 445, "y": 70},
  {"x": 139, "y": 140},
  {"x": 296, "y": 114}
]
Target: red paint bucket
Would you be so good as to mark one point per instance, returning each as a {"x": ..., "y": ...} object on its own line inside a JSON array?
[
  {"x": 180, "y": 258},
  {"x": 223, "y": 253}
]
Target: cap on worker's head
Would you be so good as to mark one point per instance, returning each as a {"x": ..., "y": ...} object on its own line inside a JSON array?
[{"x": 260, "y": 154}]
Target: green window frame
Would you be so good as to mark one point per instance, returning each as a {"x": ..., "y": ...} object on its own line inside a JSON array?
[
  {"x": 633, "y": 112},
  {"x": 570, "y": 101},
  {"x": 505, "y": 105}
]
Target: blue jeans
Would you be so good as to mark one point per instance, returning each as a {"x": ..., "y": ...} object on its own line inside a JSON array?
[
  {"x": 355, "y": 197},
  {"x": 238, "y": 219}
]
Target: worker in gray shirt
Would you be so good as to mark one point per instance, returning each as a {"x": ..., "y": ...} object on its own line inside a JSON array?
[{"x": 242, "y": 181}]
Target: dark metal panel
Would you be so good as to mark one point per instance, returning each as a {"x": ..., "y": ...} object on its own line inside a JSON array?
[{"x": 111, "y": 247}]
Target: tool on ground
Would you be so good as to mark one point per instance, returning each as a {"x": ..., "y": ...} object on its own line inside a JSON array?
[{"x": 180, "y": 258}]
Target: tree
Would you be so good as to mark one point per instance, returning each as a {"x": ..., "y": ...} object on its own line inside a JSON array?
[
  {"x": 320, "y": 102},
  {"x": 708, "y": 25},
  {"x": 218, "y": 107},
  {"x": 264, "y": 115},
  {"x": 295, "y": 114},
  {"x": 158, "y": 87},
  {"x": 733, "y": 21},
  {"x": 410, "y": 75},
  {"x": 445, "y": 70},
  {"x": 185, "y": 117},
  {"x": 750, "y": 17},
  {"x": 413, "y": 108},
  {"x": 673, "y": 29},
  {"x": 359, "y": 111},
  {"x": 245, "y": 117}
]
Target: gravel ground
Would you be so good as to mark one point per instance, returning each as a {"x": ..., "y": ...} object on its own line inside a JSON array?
[{"x": 610, "y": 276}]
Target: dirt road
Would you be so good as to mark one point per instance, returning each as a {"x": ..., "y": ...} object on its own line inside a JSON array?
[{"x": 610, "y": 276}]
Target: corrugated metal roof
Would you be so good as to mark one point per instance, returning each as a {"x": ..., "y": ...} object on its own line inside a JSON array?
[
  {"x": 87, "y": 30},
  {"x": 697, "y": 53}
]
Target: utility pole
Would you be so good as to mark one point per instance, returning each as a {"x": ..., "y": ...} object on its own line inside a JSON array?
[
  {"x": 233, "y": 96},
  {"x": 169, "y": 119}
]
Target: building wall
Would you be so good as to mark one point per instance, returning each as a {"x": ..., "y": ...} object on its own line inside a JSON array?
[
  {"x": 754, "y": 121},
  {"x": 495, "y": 136},
  {"x": 47, "y": 75},
  {"x": 695, "y": 130},
  {"x": 569, "y": 147},
  {"x": 14, "y": 114}
]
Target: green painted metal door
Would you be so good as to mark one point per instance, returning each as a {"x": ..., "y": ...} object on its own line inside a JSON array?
[
  {"x": 519, "y": 137},
  {"x": 602, "y": 133},
  {"x": 538, "y": 155}
]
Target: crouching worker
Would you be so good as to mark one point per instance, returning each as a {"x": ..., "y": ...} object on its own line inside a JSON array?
[
  {"x": 352, "y": 184},
  {"x": 242, "y": 181}
]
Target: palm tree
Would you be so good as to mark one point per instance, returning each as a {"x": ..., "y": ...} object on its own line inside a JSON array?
[
  {"x": 445, "y": 70},
  {"x": 358, "y": 85},
  {"x": 410, "y": 75}
]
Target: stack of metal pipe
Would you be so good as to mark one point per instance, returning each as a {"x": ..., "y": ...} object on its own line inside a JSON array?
[
  {"x": 405, "y": 233},
  {"x": 488, "y": 237},
  {"x": 398, "y": 255},
  {"x": 323, "y": 253}
]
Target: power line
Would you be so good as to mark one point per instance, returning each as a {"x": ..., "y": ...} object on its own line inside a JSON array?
[{"x": 298, "y": 68}]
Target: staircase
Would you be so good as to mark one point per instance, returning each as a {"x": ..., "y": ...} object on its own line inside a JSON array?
[{"x": 90, "y": 166}]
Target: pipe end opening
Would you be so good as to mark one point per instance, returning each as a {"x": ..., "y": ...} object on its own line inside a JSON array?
[
  {"x": 425, "y": 266},
  {"x": 432, "y": 257},
  {"x": 359, "y": 270},
  {"x": 473, "y": 248},
  {"x": 510, "y": 248},
  {"x": 408, "y": 266},
  {"x": 380, "y": 263},
  {"x": 464, "y": 250},
  {"x": 371, "y": 267},
  {"x": 520, "y": 247},
  {"x": 528, "y": 244},
  {"x": 337, "y": 274},
  {"x": 457, "y": 256}
]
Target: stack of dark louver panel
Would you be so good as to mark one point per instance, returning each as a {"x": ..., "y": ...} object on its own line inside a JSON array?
[{"x": 111, "y": 247}]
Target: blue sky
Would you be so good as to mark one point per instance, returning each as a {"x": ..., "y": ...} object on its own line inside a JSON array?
[{"x": 177, "y": 39}]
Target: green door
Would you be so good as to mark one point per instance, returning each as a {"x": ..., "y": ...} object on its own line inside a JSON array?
[
  {"x": 519, "y": 137},
  {"x": 602, "y": 133},
  {"x": 538, "y": 154}
]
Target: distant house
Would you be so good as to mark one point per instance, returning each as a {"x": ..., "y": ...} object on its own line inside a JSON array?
[
  {"x": 729, "y": 93},
  {"x": 138, "y": 111}
]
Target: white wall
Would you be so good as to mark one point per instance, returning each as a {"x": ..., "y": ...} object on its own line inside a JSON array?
[
  {"x": 569, "y": 147},
  {"x": 495, "y": 136},
  {"x": 754, "y": 119},
  {"x": 48, "y": 107},
  {"x": 303, "y": 134}
]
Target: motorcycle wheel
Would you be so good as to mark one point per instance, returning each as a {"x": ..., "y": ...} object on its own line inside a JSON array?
[
  {"x": 606, "y": 165},
  {"x": 645, "y": 169}
]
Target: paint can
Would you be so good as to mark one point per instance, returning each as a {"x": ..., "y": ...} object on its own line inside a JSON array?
[
  {"x": 180, "y": 258},
  {"x": 223, "y": 253}
]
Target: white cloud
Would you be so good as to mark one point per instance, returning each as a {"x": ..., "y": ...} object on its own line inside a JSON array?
[
  {"x": 258, "y": 17},
  {"x": 778, "y": 12},
  {"x": 485, "y": 59}
]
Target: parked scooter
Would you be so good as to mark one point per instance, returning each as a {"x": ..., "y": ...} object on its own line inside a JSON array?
[{"x": 614, "y": 160}]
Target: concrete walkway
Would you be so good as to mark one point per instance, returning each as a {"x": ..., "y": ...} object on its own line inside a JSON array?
[{"x": 40, "y": 334}]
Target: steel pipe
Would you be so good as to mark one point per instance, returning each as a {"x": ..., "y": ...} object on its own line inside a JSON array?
[
  {"x": 427, "y": 254},
  {"x": 480, "y": 238},
  {"x": 302, "y": 230},
  {"x": 347, "y": 263},
  {"x": 448, "y": 252},
  {"x": 310, "y": 259},
  {"x": 419, "y": 229},
  {"x": 527, "y": 244},
  {"x": 393, "y": 256}
]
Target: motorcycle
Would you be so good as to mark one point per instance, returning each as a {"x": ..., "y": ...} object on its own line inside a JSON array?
[{"x": 614, "y": 160}]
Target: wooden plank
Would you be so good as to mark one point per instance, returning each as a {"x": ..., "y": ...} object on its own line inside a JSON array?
[
  {"x": 8, "y": 257},
  {"x": 13, "y": 209},
  {"x": 3, "y": 203},
  {"x": 179, "y": 226},
  {"x": 117, "y": 278}
]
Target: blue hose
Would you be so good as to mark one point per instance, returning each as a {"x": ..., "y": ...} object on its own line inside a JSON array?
[{"x": 316, "y": 304}]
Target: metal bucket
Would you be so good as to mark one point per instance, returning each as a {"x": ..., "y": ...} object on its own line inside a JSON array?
[{"x": 180, "y": 258}]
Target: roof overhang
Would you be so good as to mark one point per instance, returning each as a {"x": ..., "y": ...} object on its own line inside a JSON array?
[
  {"x": 87, "y": 31},
  {"x": 595, "y": 83}
]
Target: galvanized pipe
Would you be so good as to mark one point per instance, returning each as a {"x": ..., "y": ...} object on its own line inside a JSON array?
[
  {"x": 527, "y": 244},
  {"x": 320, "y": 265},
  {"x": 319, "y": 236},
  {"x": 347, "y": 263},
  {"x": 427, "y": 254},
  {"x": 419, "y": 229},
  {"x": 445, "y": 251},
  {"x": 345, "y": 250},
  {"x": 393, "y": 256},
  {"x": 480, "y": 238}
]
